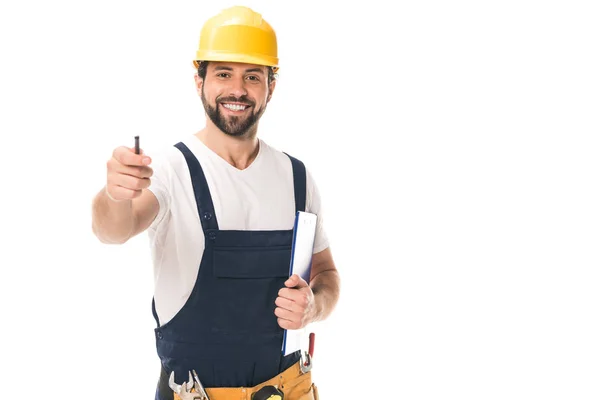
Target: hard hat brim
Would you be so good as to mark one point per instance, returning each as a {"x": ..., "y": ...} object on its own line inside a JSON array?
[{"x": 237, "y": 58}]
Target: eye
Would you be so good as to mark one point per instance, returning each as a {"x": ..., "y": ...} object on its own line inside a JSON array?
[
  {"x": 223, "y": 75},
  {"x": 253, "y": 78}
]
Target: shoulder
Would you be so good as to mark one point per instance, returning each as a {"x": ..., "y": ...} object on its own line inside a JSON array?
[
  {"x": 273, "y": 153},
  {"x": 281, "y": 157},
  {"x": 287, "y": 159},
  {"x": 169, "y": 159}
]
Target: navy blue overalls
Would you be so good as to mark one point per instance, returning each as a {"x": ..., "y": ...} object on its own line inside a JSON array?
[{"x": 227, "y": 330}]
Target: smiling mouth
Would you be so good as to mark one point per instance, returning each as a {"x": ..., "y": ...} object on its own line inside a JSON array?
[{"x": 236, "y": 107}]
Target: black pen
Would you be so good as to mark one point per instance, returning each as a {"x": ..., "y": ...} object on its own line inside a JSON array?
[{"x": 137, "y": 145}]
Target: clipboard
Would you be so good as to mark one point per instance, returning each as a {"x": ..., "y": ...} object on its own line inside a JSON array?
[{"x": 305, "y": 228}]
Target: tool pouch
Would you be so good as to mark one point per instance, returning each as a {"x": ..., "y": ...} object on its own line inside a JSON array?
[{"x": 268, "y": 393}]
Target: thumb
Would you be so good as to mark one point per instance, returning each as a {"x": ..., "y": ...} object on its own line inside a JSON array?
[
  {"x": 132, "y": 149},
  {"x": 295, "y": 281}
]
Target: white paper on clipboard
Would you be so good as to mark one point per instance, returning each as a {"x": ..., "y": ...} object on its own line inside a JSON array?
[{"x": 303, "y": 242}]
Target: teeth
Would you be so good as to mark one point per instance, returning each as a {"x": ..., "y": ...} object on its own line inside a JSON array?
[{"x": 234, "y": 107}]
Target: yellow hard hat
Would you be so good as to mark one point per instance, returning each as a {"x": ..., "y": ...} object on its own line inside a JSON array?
[{"x": 238, "y": 34}]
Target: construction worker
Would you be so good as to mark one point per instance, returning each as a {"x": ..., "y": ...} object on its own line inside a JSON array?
[{"x": 219, "y": 209}]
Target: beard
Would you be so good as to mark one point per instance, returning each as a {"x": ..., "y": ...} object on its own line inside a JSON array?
[{"x": 232, "y": 125}]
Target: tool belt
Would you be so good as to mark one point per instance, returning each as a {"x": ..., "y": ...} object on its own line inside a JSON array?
[{"x": 293, "y": 383}]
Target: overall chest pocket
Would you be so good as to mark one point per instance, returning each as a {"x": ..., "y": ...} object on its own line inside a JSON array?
[
  {"x": 246, "y": 282},
  {"x": 251, "y": 262}
]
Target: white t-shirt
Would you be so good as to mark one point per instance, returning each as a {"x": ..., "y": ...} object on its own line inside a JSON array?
[{"x": 249, "y": 199}]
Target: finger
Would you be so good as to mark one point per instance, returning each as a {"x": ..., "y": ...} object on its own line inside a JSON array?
[
  {"x": 298, "y": 296},
  {"x": 138, "y": 172},
  {"x": 128, "y": 181},
  {"x": 127, "y": 156},
  {"x": 292, "y": 294},
  {"x": 113, "y": 165},
  {"x": 296, "y": 281},
  {"x": 285, "y": 314},
  {"x": 292, "y": 281},
  {"x": 288, "y": 304},
  {"x": 285, "y": 324},
  {"x": 133, "y": 150},
  {"x": 286, "y": 293},
  {"x": 294, "y": 319}
]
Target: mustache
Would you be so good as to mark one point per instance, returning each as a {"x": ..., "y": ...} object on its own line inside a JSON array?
[{"x": 232, "y": 99}]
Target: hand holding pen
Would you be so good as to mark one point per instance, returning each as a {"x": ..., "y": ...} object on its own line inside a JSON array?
[{"x": 127, "y": 172}]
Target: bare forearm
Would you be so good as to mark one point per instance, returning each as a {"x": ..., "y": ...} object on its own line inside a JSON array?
[
  {"x": 326, "y": 290},
  {"x": 112, "y": 222}
]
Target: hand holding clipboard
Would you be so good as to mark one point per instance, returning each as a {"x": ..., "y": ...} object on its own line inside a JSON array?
[{"x": 303, "y": 241}]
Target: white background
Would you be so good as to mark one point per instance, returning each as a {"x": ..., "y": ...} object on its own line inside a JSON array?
[{"x": 455, "y": 145}]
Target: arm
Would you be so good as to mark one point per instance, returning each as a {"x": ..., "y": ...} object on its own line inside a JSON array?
[
  {"x": 124, "y": 207},
  {"x": 115, "y": 222},
  {"x": 325, "y": 285},
  {"x": 300, "y": 303}
]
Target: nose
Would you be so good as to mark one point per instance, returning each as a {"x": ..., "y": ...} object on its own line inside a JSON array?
[{"x": 238, "y": 88}]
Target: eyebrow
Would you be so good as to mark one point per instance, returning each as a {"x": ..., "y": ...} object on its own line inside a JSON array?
[
  {"x": 224, "y": 68},
  {"x": 255, "y": 70}
]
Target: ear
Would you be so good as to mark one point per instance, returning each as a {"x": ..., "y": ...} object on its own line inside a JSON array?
[
  {"x": 271, "y": 90},
  {"x": 199, "y": 83}
]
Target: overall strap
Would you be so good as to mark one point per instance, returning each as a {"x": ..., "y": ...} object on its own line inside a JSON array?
[
  {"x": 299, "y": 171},
  {"x": 206, "y": 210}
]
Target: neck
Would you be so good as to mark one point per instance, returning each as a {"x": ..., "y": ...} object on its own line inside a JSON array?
[{"x": 237, "y": 151}]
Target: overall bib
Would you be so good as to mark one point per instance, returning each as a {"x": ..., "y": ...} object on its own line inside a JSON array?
[{"x": 227, "y": 330}]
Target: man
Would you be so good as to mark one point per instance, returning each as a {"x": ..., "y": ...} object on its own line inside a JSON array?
[{"x": 219, "y": 208}]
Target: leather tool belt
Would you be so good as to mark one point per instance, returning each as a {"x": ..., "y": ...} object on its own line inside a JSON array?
[{"x": 293, "y": 382}]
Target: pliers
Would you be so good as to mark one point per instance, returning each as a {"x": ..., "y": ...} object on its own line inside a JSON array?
[
  {"x": 185, "y": 389},
  {"x": 306, "y": 358}
]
